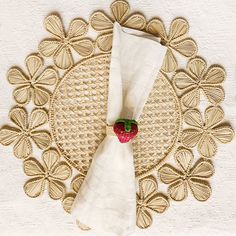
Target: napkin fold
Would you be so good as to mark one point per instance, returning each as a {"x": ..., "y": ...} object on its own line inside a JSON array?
[{"x": 106, "y": 200}]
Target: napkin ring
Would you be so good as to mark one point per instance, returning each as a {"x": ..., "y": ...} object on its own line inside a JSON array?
[{"x": 124, "y": 129}]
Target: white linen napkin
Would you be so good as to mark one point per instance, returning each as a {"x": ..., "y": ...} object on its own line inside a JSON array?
[{"x": 106, "y": 200}]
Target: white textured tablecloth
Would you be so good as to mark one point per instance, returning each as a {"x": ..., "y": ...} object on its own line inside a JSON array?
[{"x": 212, "y": 25}]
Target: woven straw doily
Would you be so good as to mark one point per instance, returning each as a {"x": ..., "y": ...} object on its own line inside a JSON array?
[
  {"x": 78, "y": 117},
  {"x": 69, "y": 99}
]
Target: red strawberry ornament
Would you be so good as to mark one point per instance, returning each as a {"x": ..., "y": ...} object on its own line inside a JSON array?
[{"x": 125, "y": 129}]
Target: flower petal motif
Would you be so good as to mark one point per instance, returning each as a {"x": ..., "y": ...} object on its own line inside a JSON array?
[
  {"x": 22, "y": 94},
  {"x": 195, "y": 177},
  {"x": 191, "y": 98},
  {"x": 184, "y": 158},
  {"x": 135, "y": 21},
  {"x": 148, "y": 186},
  {"x": 201, "y": 189},
  {"x": 33, "y": 64},
  {"x": 158, "y": 203},
  {"x": 168, "y": 174},
  {"x": 77, "y": 28},
  {"x": 144, "y": 219},
  {"x": 48, "y": 47},
  {"x": 183, "y": 81},
  {"x": 42, "y": 139},
  {"x": 77, "y": 182},
  {"x": 19, "y": 117},
  {"x": 23, "y": 148},
  {"x": 178, "y": 190},
  {"x": 197, "y": 68},
  {"x": 83, "y": 47},
  {"x": 33, "y": 168},
  {"x": 193, "y": 118},
  {"x": 40, "y": 96},
  {"x": 50, "y": 158},
  {"x": 179, "y": 27},
  {"x": 213, "y": 116},
  {"x": 48, "y": 77},
  {"x": 56, "y": 189},
  {"x": 202, "y": 169},
  {"x": 34, "y": 187},
  {"x": 156, "y": 27},
  {"x": 8, "y": 135},
  {"x": 191, "y": 137},
  {"x": 120, "y": 10},
  {"x": 53, "y": 24},
  {"x": 207, "y": 146},
  {"x": 68, "y": 201},
  {"x": 170, "y": 62},
  {"x": 61, "y": 171},
  {"x": 214, "y": 94},
  {"x": 16, "y": 77},
  {"x": 63, "y": 58},
  {"x": 215, "y": 75},
  {"x": 100, "y": 22},
  {"x": 186, "y": 47},
  {"x": 104, "y": 42},
  {"x": 149, "y": 200},
  {"x": 38, "y": 117},
  {"x": 223, "y": 133}
]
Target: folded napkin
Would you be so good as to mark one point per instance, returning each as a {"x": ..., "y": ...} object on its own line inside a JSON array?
[{"x": 106, "y": 200}]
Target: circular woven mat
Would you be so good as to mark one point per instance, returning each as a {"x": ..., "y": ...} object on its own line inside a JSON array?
[{"x": 78, "y": 117}]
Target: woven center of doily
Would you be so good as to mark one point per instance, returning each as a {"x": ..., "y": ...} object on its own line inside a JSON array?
[{"x": 78, "y": 117}]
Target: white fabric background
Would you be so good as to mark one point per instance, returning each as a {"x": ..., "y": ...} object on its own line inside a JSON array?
[{"x": 213, "y": 26}]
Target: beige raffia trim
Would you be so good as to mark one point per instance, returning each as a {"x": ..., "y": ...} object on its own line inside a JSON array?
[
  {"x": 76, "y": 122},
  {"x": 187, "y": 176},
  {"x": 148, "y": 201}
]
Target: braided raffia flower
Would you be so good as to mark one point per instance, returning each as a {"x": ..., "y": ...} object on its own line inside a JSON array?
[
  {"x": 61, "y": 44},
  {"x": 25, "y": 131},
  {"x": 53, "y": 172},
  {"x": 104, "y": 24},
  {"x": 196, "y": 79},
  {"x": 195, "y": 177},
  {"x": 33, "y": 84},
  {"x": 149, "y": 200},
  {"x": 176, "y": 40},
  {"x": 204, "y": 134}
]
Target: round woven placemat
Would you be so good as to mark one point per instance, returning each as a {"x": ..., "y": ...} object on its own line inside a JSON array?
[{"x": 78, "y": 117}]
